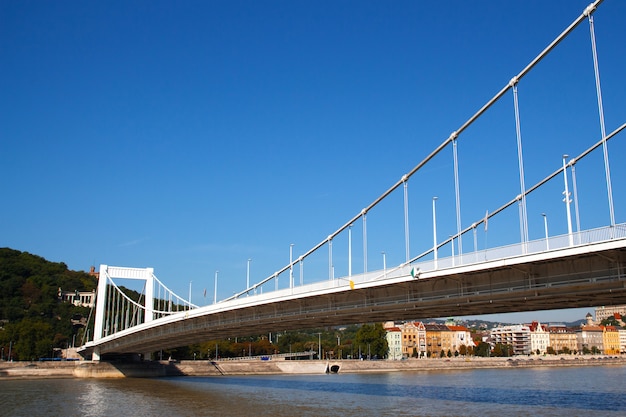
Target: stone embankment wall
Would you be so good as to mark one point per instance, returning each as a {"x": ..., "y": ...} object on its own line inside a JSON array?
[
  {"x": 33, "y": 370},
  {"x": 87, "y": 369}
]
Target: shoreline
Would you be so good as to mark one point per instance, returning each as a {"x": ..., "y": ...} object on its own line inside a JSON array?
[{"x": 89, "y": 369}]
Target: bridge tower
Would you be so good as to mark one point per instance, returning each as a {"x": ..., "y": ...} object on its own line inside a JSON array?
[{"x": 107, "y": 274}]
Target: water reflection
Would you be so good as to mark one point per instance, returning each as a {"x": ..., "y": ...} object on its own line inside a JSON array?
[{"x": 554, "y": 392}]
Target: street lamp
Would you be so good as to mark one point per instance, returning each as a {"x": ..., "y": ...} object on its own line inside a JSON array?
[
  {"x": 319, "y": 346},
  {"x": 384, "y": 264},
  {"x": 435, "y": 231},
  {"x": 567, "y": 202},
  {"x": 248, "y": 276},
  {"x": 350, "y": 251},
  {"x": 545, "y": 227},
  {"x": 452, "y": 246},
  {"x": 291, "y": 265},
  {"x": 215, "y": 289}
]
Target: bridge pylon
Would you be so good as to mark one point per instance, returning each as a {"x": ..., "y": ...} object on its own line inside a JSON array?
[{"x": 102, "y": 327}]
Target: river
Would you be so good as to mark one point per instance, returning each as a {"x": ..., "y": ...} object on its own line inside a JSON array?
[{"x": 568, "y": 391}]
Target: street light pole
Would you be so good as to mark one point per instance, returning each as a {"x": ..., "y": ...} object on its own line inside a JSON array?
[
  {"x": 384, "y": 264},
  {"x": 291, "y": 265},
  {"x": 319, "y": 346},
  {"x": 350, "y": 251},
  {"x": 435, "y": 231},
  {"x": 248, "y": 276},
  {"x": 215, "y": 289},
  {"x": 567, "y": 203},
  {"x": 452, "y": 245},
  {"x": 545, "y": 226}
]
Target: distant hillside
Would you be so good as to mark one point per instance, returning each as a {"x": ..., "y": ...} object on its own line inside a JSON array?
[{"x": 34, "y": 321}]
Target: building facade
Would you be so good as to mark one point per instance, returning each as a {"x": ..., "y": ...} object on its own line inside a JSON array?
[
  {"x": 563, "y": 339},
  {"x": 622, "y": 340},
  {"x": 590, "y": 339},
  {"x": 438, "y": 340},
  {"x": 603, "y": 313},
  {"x": 610, "y": 340},
  {"x": 517, "y": 336},
  {"x": 461, "y": 339},
  {"x": 78, "y": 298},
  {"x": 413, "y": 339},
  {"x": 539, "y": 338},
  {"x": 394, "y": 343}
]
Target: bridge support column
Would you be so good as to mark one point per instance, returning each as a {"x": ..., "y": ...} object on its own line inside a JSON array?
[
  {"x": 147, "y": 356},
  {"x": 100, "y": 303},
  {"x": 95, "y": 356},
  {"x": 149, "y": 297}
]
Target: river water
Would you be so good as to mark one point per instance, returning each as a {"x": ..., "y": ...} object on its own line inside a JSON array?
[{"x": 578, "y": 391}]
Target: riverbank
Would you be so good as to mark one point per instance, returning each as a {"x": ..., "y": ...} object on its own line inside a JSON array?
[{"x": 88, "y": 369}]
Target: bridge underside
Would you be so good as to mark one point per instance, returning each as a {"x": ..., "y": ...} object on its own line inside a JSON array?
[{"x": 579, "y": 280}]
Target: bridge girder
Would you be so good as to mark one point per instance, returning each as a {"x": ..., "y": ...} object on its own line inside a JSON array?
[{"x": 578, "y": 280}]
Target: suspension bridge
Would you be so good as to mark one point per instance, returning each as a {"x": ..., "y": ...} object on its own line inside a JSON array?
[{"x": 580, "y": 268}]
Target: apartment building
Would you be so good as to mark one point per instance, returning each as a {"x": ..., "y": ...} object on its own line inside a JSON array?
[
  {"x": 394, "y": 343},
  {"x": 610, "y": 340},
  {"x": 622, "y": 340},
  {"x": 539, "y": 338},
  {"x": 605, "y": 312},
  {"x": 413, "y": 339},
  {"x": 461, "y": 336},
  {"x": 438, "y": 339},
  {"x": 562, "y": 339},
  {"x": 517, "y": 336},
  {"x": 590, "y": 338}
]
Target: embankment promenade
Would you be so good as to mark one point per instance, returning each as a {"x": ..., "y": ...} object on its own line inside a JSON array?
[{"x": 88, "y": 369}]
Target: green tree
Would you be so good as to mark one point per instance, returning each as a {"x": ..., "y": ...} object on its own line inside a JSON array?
[
  {"x": 372, "y": 340},
  {"x": 502, "y": 350},
  {"x": 37, "y": 321},
  {"x": 463, "y": 350},
  {"x": 483, "y": 350},
  {"x": 610, "y": 321}
]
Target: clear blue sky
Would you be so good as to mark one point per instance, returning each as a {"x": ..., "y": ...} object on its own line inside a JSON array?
[{"x": 191, "y": 136}]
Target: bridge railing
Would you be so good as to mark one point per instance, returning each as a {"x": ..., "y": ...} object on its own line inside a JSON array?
[
  {"x": 584, "y": 237},
  {"x": 492, "y": 254}
]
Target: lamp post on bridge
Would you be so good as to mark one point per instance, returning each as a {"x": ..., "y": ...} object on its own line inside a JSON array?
[
  {"x": 452, "y": 246},
  {"x": 567, "y": 201},
  {"x": 215, "y": 289},
  {"x": 384, "y": 264},
  {"x": 350, "y": 251},
  {"x": 435, "y": 231},
  {"x": 545, "y": 227},
  {"x": 291, "y": 265},
  {"x": 248, "y": 277}
]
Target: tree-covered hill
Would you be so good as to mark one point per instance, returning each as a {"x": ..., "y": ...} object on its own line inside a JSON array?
[{"x": 33, "y": 320}]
